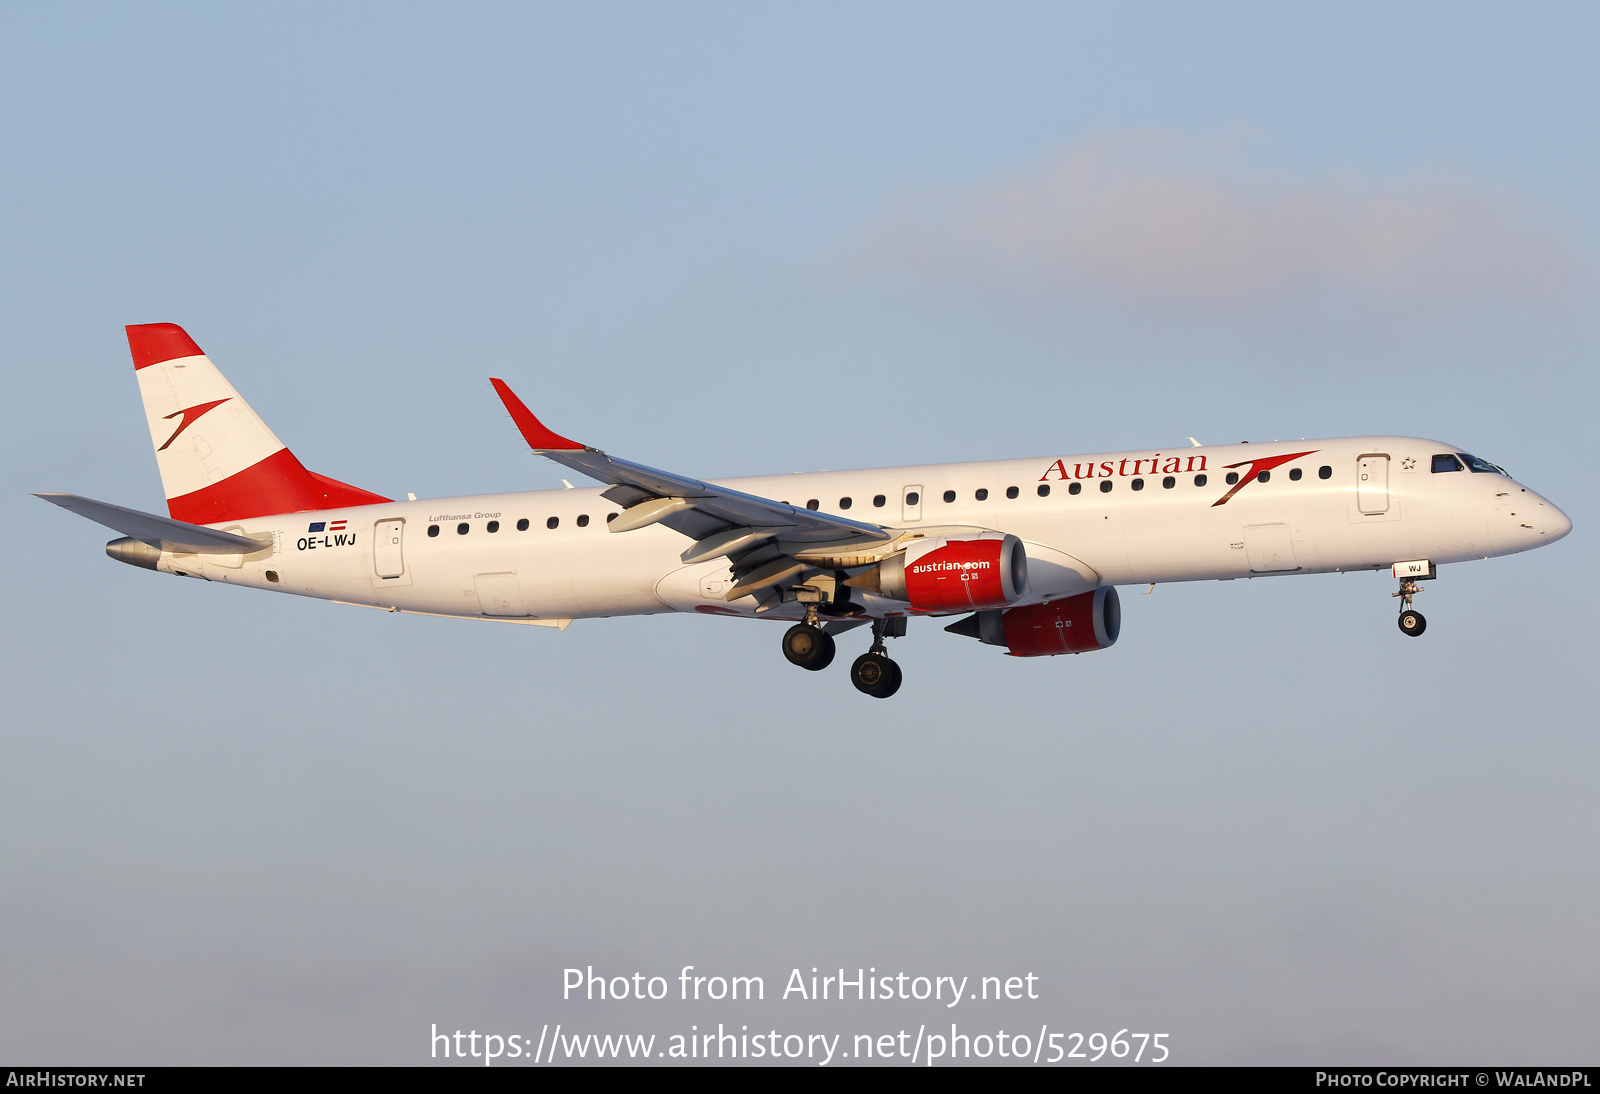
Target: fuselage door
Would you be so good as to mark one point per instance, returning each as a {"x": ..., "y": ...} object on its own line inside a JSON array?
[
  {"x": 1270, "y": 548},
  {"x": 911, "y": 503},
  {"x": 1372, "y": 484},
  {"x": 499, "y": 594},
  {"x": 387, "y": 559}
]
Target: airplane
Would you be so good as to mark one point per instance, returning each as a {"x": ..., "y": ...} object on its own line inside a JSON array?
[{"x": 1027, "y": 552}]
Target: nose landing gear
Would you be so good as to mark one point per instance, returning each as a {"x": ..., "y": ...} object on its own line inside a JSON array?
[{"x": 1411, "y": 621}]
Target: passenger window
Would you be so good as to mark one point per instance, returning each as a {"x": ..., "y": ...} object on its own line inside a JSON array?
[
  {"x": 1137, "y": 484},
  {"x": 1263, "y": 476},
  {"x": 913, "y": 498},
  {"x": 433, "y": 530},
  {"x": 1199, "y": 480},
  {"x": 1445, "y": 462},
  {"x": 981, "y": 495},
  {"x": 492, "y": 526},
  {"x": 461, "y": 529},
  {"x": 552, "y": 522},
  {"x": 1232, "y": 477},
  {"x": 1324, "y": 472},
  {"x": 611, "y": 517},
  {"x": 1075, "y": 488},
  {"x": 813, "y": 504},
  {"x": 1168, "y": 483},
  {"x": 878, "y": 500},
  {"x": 1044, "y": 490},
  {"x": 1011, "y": 491},
  {"x": 1294, "y": 474},
  {"x": 522, "y": 525},
  {"x": 583, "y": 520},
  {"x": 1105, "y": 487},
  {"x": 949, "y": 496},
  {"x": 844, "y": 503}
]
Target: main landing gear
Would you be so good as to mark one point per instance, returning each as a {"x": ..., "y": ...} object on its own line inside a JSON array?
[
  {"x": 873, "y": 673},
  {"x": 809, "y": 646}
]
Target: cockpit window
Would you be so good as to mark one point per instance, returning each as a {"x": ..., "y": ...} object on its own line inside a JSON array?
[
  {"x": 1481, "y": 467},
  {"x": 1445, "y": 462}
]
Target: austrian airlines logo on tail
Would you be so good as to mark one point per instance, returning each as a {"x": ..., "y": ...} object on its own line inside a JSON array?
[{"x": 190, "y": 416}]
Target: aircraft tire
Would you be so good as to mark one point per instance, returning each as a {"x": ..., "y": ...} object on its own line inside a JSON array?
[
  {"x": 875, "y": 675},
  {"x": 890, "y": 685},
  {"x": 809, "y": 647},
  {"x": 1412, "y": 623}
]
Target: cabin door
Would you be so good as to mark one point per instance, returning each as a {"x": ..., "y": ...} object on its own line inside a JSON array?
[
  {"x": 1372, "y": 484},
  {"x": 387, "y": 559}
]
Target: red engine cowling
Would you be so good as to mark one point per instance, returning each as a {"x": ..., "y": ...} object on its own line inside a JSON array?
[
  {"x": 987, "y": 570},
  {"x": 1078, "y": 624}
]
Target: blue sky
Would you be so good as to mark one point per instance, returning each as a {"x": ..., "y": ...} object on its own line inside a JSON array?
[{"x": 248, "y": 828}]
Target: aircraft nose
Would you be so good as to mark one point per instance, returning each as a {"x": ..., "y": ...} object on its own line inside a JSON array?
[
  {"x": 1560, "y": 523},
  {"x": 1546, "y": 523},
  {"x": 1525, "y": 520}
]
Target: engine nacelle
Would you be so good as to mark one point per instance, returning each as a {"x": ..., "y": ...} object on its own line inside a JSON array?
[
  {"x": 952, "y": 574},
  {"x": 1078, "y": 624}
]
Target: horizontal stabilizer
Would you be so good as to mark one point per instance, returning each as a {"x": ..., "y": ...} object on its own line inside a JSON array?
[{"x": 169, "y": 535}]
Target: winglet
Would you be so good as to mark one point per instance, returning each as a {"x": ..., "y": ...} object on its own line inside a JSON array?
[{"x": 533, "y": 430}]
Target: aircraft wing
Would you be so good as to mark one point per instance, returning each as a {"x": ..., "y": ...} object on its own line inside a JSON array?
[
  {"x": 650, "y": 496},
  {"x": 159, "y": 532}
]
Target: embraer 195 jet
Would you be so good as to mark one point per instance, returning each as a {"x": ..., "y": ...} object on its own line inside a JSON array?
[{"x": 1029, "y": 552}]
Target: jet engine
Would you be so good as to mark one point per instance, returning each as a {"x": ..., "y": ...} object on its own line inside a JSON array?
[
  {"x": 1078, "y": 624},
  {"x": 952, "y": 573}
]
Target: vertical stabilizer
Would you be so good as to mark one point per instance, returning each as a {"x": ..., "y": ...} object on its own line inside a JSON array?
[{"x": 218, "y": 459}]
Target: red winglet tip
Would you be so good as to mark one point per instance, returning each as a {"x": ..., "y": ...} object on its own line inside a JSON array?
[
  {"x": 153, "y": 343},
  {"x": 533, "y": 430}
]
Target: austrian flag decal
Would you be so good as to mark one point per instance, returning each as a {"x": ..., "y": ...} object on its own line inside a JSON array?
[{"x": 327, "y": 526}]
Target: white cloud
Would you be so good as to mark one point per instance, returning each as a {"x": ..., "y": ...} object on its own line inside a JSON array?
[{"x": 1153, "y": 222}]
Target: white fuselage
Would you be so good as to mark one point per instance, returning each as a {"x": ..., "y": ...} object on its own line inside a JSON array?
[{"x": 1380, "y": 503}]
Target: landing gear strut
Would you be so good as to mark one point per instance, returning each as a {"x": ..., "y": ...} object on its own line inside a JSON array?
[
  {"x": 874, "y": 673},
  {"x": 1411, "y": 620}
]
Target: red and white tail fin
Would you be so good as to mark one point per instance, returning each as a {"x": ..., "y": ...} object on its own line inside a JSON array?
[{"x": 218, "y": 459}]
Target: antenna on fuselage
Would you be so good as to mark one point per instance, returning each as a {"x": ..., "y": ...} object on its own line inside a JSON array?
[{"x": 1196, "y": 443}]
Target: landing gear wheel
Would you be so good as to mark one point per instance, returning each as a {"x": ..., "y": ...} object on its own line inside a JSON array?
[
  {"x": 875, "y": 675},
  {"x": 892, "y": 685},
  {"x": 1412, "y": 623},
  {"x": 808, "y": 646}
]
